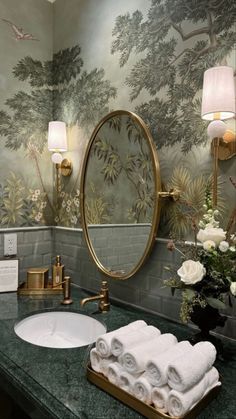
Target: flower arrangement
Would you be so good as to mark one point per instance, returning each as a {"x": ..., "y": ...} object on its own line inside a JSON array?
[{"x": 208, "y": 271}]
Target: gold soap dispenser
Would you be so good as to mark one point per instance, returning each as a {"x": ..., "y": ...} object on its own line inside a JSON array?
[{"x": 57, "y": 273}]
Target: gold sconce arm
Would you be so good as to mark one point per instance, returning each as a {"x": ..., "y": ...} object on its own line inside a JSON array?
[{"x": 172, "y": 193}]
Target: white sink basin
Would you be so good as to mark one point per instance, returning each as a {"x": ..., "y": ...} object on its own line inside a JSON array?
[{"x": 59, "y": 329}]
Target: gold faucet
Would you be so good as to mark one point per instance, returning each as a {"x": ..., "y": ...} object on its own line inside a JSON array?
[
  {"x": 66, "y": 290},
  {"x": 104, "y": 304}
]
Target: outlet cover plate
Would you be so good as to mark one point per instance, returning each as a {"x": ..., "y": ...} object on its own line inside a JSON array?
[{"x": 10, "y": 244}]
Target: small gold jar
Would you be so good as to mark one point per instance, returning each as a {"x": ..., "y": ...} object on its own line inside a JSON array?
[{"x": 37, "y": 278}]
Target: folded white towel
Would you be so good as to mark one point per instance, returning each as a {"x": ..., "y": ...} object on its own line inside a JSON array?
[
  {"x": 185, "y": 371},
  {"x": 142, "y": 389},
  {"x": 103, "y": 342},
  {"x": 98, "y": 363},
  {"x": 180, "y": 403},
  {"x": 127, "y": 381},
  {"x": 159, "y": 397},
  {"x": 135, "y": 359},
  {"x": 157, "y": 366},
  {"x": 113, "y": 373},
  {"x": 122, "y": 343}
]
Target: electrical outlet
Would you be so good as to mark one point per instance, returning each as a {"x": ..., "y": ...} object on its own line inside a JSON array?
[{"x": 10, "y": 244}]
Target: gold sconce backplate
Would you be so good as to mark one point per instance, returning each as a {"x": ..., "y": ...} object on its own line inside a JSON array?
[{"x": 66, "y": 167}]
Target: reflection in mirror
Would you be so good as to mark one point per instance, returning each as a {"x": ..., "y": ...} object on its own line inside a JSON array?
[{"x": 119, "y": 186}]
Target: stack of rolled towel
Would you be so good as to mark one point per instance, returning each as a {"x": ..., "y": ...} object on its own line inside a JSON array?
[{"x": 155, "y": 368}]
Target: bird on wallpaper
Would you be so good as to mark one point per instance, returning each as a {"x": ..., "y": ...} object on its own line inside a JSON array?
[{"x": 19, "y": 34}]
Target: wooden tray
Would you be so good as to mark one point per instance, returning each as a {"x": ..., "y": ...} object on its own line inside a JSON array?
[{"x": 146, "y": 410}]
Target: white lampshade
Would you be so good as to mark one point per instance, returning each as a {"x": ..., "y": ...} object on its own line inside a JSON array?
[
  {"x": 218, "y": 96},
  {"x": 57, "y": 136}
]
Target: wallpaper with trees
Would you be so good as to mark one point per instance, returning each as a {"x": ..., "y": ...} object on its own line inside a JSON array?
[{"x": 144, "y": 56}]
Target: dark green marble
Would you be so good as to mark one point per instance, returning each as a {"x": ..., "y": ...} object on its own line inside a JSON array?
[{"x": 51, "y": 383}]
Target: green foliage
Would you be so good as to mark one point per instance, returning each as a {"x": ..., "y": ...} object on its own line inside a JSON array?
[
  {"x": 182, "y": 216},
  {"x": 20, "y": 205},
  {"x": 29, "y": 121},
  {"x": 97, "y": 209},
  {"x": 136, "y": 165},
  {"x": 66, "y": 65},
  {"x": 208, "y": 270},
  {"x": 12, "y": 201},
  {"x": 77, "y": 99},
  {"x": 85, "y": 100},
  {"x": 68, "y": 209},
  {"x": 37, "y": 73},
  {"x": 168, "y": 64}
]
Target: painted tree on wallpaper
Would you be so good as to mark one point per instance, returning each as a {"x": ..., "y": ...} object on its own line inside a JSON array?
[
  {"x": 75, "y": 97},
  {"x": 173, "y": 60},
  {"x": 177, "y": 42},
  {"x": 25, "y": 127}
]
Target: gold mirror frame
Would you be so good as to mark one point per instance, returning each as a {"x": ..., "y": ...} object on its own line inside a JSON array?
[{"x": 157, "y": 185}]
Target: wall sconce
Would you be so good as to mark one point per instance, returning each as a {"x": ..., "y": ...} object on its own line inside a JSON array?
[
  {"x": 218, "y": 103},
  {"x": 57, "y": 142}
]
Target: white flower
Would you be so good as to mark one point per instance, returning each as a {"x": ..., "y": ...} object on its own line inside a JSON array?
[
  {"x": 38, "y": 216},
  {"x": 211, "y": 233},
  {"x": 209, "y": 245},
  {"x": 223, "y": 246},
  {"x": 232, "y": 248},
  {"x": 73, "y": 219},
  {"x": 233, "y": 288},
  {"x": 37, "y": 192},
  {"x": 76, "y": 202},
  {"x": 34, "y": 198},
  {"x": 191, "y": 272}
]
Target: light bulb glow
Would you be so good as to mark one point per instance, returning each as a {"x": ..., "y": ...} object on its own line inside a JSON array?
[
  {"x": 216, "y": 129},
  {"x": 57, "y": 158}
]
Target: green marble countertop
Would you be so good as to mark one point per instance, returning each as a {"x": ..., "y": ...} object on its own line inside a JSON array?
[{"x": 51, "y": 383}]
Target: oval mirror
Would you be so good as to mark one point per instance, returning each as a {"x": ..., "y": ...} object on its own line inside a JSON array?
[{"x": 119, "y": 194}]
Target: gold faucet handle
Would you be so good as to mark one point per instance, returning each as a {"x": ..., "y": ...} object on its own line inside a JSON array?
[{"x": 104, "y": 304}]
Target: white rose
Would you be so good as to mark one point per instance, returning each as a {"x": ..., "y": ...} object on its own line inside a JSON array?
[
  {"x": 209, "y": 245},
  {"x": 191, "y": 272},
  {"x": 233, "y": 288},
  {"x": 217, "y": 235},
  {"x": 223, "y": 246}
]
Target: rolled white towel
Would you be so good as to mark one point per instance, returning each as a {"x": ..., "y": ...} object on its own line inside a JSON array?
[
  {"x": 113, "y": 373},
  {"x": 159, "y": 397},
  {"x": 135, "y": 359},
  {"x": 180, "y": 403},
  {"x": 103, "y": 342},
  {"x": 186, "y": 370},
  {"x": 213, "y": 380},
  {"x": 98, "y": 363},
  {"x": 122, "y": 343},
  {"x": 142, "y": 389},
  {"x": 127, "y": 381},
  {"x": 157, "y": 366}
]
